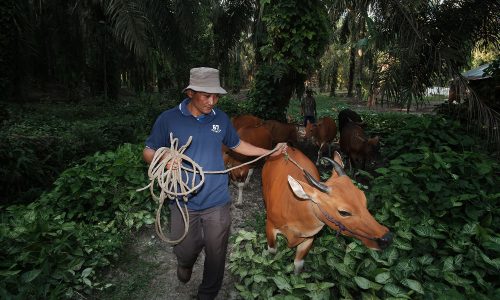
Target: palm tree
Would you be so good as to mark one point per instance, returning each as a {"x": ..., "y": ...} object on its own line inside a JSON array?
[
  {"x": 428, "y": 42},
  {"x": 103, "y": 42},
  {"x": 421, "y": 43}
]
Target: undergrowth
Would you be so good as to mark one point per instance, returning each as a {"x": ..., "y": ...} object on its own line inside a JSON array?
[{"x": 438, "y": 193}]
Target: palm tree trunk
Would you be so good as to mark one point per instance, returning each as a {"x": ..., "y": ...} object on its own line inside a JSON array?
[
  {"x": 352, "y": 66},
  {"x": 334, "y": 80}
]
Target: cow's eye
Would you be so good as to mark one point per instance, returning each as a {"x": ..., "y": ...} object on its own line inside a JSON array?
[{"x": 344, "y": 213}]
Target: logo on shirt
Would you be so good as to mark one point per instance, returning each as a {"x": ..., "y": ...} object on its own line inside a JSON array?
[{"x": 215, "y": 128}]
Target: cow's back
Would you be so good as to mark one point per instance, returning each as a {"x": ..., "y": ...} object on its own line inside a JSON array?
[
  {"x": 246, "y": 120},
  {"x": 281, "y": 132},
  {"x": 282, "y": 206},
  {"x": 347, "y": 116},
  {"x": 257, "y": 136}
]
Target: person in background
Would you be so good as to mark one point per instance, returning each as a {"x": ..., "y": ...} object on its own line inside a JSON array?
[
  {"x": 209, "y": 207},
  {"x": 308, "y": 107}
]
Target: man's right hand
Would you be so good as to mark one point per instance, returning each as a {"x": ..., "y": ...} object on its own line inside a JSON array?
[{"x": 173, "y": 164}]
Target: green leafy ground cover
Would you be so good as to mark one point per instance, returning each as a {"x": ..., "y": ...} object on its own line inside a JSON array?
[
  {"x": 40, "y": 140},
  {"x": 54, "y": 247},
  {"x": 439, "y": 194}
]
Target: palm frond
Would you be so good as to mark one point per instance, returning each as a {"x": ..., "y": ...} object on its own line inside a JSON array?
[{"x": 128, "y": 24}]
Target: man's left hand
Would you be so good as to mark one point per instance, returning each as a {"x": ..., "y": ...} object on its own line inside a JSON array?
[{"x": 281, "y": 148}]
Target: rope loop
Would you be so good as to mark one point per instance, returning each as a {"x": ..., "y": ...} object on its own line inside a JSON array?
[{"x": 174, "y": 181}]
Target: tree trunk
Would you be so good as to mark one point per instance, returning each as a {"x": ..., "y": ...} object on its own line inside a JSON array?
[
  {"x": 334, "y": 80},
  {"x": 352, "y": 65}
]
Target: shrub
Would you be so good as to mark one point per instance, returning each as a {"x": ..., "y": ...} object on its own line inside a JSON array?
[
  {"x": 53, "y": 247},
  {"x": 39, "y": 141}
]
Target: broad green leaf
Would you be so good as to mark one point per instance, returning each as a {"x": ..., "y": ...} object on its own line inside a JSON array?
[
  {"x": 425, "y": 260},
  {"x": 413, "y": 284},
  {"x": 428, "y": 231},
  {"x": 483, "y": 168},
  {"x": 433, "y": 271},
  {"x": 344, "y": 291},
  {"x": 366, "y": 284},
  {"x": 344, "y": 270},
  {"x": 396, "y": 291},
  {"x": 455, "y": 279},
  {"x": 8, "y": 273},
  {"x": 402, "y": 244},
  {"x": 404, "y": 234},
  {"x": 87, "y": 281},
  {"x": 240, "y": 287},
  {"x": 86, "y": 272},
  {"x": 30, "y": 275},
  {"x": 383, "y": 278},
  {"x": 382, "y": 171},
  {"x": 367, "y": 296},
  {"x": 495, "y": 263},
  {"x": 282, "y": 283},
  {"x": 259, "y": 278}
]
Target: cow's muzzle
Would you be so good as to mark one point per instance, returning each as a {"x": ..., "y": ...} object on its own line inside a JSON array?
[{"x": 385, "y": 241}]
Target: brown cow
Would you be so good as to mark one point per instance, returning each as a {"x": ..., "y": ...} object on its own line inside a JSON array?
[
  {"x": 357, "y": 146},
  {"x": 346, "y": 116},
  {"x": 246, "y": 120},
  {"x": 257, "y": 136},
  {"x": 282, "y": 132},
  {"x": 322, "y": 134},
  {"x": 299, "y": 209}
]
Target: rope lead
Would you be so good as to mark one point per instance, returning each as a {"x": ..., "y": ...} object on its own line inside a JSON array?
[{"x": 171, "y": 183}]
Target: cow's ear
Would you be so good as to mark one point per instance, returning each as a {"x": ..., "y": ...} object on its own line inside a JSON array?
[{"x": 297, "y": 189}]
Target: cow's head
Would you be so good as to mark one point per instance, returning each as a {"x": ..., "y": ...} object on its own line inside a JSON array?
[
  {"x": 342, "y": 206},
  {"x": 372, "y": 149}
]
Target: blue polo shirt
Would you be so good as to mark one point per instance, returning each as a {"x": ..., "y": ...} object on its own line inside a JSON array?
[{"x": 209, "y": 132}]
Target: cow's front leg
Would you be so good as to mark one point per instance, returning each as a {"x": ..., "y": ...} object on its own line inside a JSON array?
[
  {"x": 320, "y": 153},
  {"x": 271, "y": 233},
  {"x": 302, "y": 250}
]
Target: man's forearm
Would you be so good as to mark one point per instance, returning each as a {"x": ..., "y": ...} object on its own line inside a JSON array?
[{"x": 249, "y": 149}]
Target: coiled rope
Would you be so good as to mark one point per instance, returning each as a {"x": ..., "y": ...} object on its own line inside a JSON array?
[{"x": 171, "y": 183}]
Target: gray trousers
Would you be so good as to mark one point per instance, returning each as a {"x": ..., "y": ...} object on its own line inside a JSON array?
[{"x": 208, "y": 230}]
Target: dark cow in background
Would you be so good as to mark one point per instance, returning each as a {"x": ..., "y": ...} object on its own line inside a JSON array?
[
  {"x": 357, "y": 146},
  {"x": 349, "y": 116},
  {"x": 322, "y": 134},
  {"x": 298, "y": 205}
]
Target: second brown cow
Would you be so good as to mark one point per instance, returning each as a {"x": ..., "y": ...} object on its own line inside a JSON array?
[
  {"x": 282, "y": 132},
  {"x": 322, "y": 134},
  {"x": 256, "y": 135},
  {"x": 359, "y": 148}
]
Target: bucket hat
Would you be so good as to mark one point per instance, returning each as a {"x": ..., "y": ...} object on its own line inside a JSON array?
[{"x": 205, "y": 80}]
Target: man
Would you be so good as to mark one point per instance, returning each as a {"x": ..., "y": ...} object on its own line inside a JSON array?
[
  {"x": 209, "y": 206},
  {"x": 308, "y": 107}
]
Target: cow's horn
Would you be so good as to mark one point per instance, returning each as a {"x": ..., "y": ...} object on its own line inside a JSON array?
[
  {"x": 316, "y": 184},
  {"x": 338, "y": 168}
]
